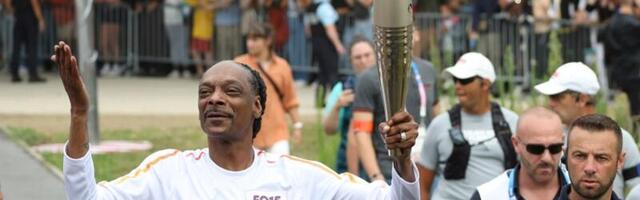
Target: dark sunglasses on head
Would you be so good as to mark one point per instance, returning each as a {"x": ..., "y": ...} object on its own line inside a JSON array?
[
  {"x": 464, "y": 81},
  {"x": 538, "y": 149}
]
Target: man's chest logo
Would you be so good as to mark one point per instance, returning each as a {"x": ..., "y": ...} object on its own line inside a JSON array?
[{"x": 260, "y": 195}]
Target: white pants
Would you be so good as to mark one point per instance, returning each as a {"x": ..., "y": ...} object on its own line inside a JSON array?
[{"x": 280, "y": 147}]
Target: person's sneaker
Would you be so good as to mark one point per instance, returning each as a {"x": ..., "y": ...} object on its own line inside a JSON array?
[
  {"x": 37, "y": 80},
  {"x": 175, "y": 74},
  {"x": 16, "y": 79},
  {"x": 117, "y": 70},
  {"x": 105, "y": 70}
]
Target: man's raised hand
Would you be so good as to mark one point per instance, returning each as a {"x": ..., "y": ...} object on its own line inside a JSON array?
[
  {"x": 71, "y": 79},
  {"x": 78, "y": 145}
]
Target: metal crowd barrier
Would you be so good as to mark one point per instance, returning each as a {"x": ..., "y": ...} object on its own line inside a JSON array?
[
  {"x": 59, "y": 21},
  {"x": 514, "y": 46},
  {"x": 138, "y": 39},
  {"x": 6, "y": 31}
]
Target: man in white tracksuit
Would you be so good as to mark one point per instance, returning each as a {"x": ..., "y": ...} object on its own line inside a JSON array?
[{"x": 231, "y": 98}]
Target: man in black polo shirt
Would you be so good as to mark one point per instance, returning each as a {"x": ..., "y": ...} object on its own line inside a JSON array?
[{"x": 594, "y": 154}]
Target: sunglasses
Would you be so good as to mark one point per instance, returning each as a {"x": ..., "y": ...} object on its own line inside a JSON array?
[
  {"x": 538, "y": 149},
  {"x": 465, "y": 81}
]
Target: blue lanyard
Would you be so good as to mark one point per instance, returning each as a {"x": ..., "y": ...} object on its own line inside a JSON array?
[
  {"x": 512, "y": 180},
  {"x": 421, "y": 90}
]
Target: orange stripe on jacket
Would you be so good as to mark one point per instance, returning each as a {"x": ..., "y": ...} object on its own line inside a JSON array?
[
  {"x": 344, "y": 176},
  {"x": 145, "y": 168},
  {"x": 315, "y": 164}
]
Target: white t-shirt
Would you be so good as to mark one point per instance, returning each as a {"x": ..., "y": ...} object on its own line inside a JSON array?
[
  {"x": 634, "y": 193},
  {"x": 173, "y": 12},
  {"x": 631, "y": 160},
  {"x": 173, "y": 174}
]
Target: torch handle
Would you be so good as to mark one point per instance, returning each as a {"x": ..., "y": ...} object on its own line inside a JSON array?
[
  {"x": 393, "y": 52},
  {"x": 393, "y": 20}
]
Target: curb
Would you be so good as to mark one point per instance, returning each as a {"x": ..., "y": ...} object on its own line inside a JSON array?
[{"x": 51, "y": 168}]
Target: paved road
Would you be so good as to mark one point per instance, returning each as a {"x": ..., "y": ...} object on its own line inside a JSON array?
[
  {"x": 131, "y": 95},
  {"x": 24, "y": 177}
]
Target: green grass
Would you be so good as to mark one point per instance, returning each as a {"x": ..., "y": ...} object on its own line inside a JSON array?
[
  {"x": 315, "y": 145},
  {"x": 619, "y": 111}
]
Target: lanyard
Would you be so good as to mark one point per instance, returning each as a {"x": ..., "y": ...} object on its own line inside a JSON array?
[
  {"x": 512, "y": 174},
  {"x": 512, "y": 180},
  {"x": 421, "y": 90}
]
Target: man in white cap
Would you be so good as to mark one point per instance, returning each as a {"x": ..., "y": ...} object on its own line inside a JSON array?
[
  {"x": 571, "y": 90},
  {"x": 471, "y": 143}
]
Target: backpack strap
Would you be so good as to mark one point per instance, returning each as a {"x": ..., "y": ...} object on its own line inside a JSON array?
[
  {"x": 268, "y": 77},
  {"x": 631, "y": 172},
  {"x": 503, "y": 134},
  {"x": 456, "y": 165}
]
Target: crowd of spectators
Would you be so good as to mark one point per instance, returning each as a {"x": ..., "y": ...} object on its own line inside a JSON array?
[{"x": 458, "y": 144}]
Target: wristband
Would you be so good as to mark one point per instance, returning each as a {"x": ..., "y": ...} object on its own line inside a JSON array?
[{"x": 362, "y": 126}]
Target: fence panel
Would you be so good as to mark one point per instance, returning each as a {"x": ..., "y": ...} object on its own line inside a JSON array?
[
  {"x": 137, "y": 38},
  {"x": 6, "y": 39}
]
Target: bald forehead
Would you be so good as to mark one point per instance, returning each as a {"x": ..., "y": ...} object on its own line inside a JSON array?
[
  {"x": 539, "y": 120},
  {"x": 538, "y": 113}
]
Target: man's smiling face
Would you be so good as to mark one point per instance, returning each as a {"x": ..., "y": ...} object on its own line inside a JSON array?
[{"x": 227, "y": 102}]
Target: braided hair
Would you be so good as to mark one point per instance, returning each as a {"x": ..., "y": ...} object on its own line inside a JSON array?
[{"x": 261, "y": 90}]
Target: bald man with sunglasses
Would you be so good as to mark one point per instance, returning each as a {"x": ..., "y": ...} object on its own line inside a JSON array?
[
  {"x": 539, "y": 173},
  {"x": 471, "y": 143}
]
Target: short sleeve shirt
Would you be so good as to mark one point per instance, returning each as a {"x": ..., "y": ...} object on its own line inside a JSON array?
[
  {"x": 327, "y": 14},
  {"x": 631, "y": 160},
  {"x": 485, "y": 162},
  {"x": 369, "y": 98}
]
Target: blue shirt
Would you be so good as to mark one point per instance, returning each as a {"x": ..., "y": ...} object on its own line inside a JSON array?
[
  {"x": 327, "y": 15},
  {"x": 344, "y": 120},
  {"x": 229, "y": 16}
]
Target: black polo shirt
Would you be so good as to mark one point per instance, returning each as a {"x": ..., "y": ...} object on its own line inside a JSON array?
[{"x": 564, "y": 194}]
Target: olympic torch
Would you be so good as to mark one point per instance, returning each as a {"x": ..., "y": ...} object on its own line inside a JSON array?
[{"x": 393, "y": 20}]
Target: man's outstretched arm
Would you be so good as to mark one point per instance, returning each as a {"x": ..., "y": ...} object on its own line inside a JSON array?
[
  {"x": 78, "y": 144},
  {"x": 79, "y": 177},
  {"x": 362, "y": 124}
]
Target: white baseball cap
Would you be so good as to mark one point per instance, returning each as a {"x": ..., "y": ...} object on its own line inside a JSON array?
[
  {"x": 574, "y": 76},
  {"x": 473, "y": 64}
]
